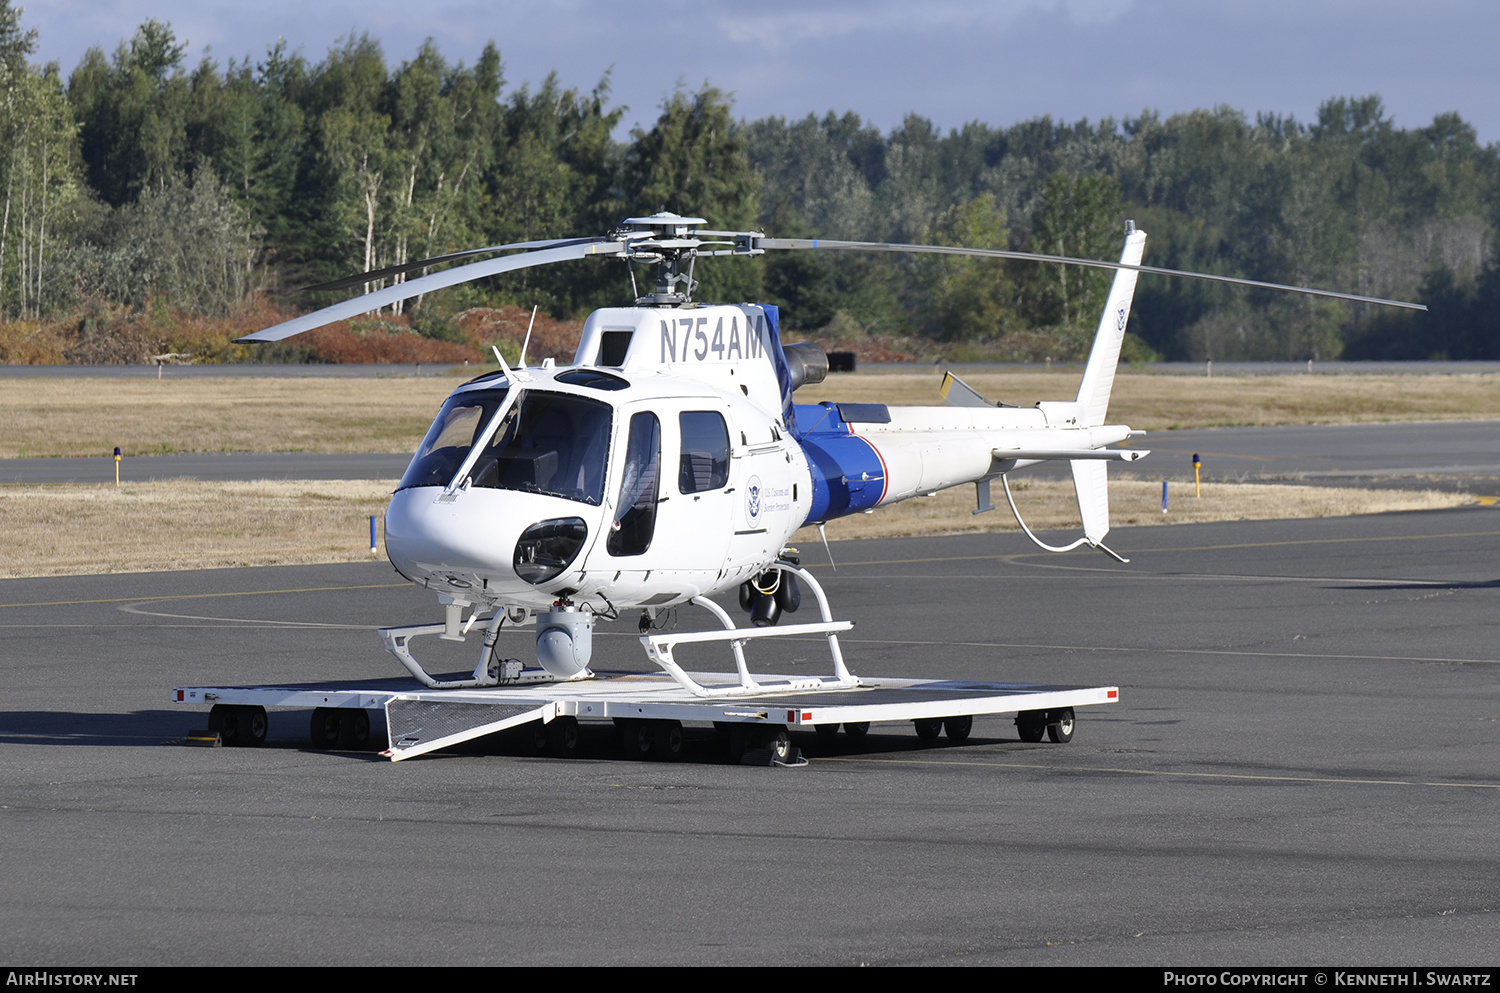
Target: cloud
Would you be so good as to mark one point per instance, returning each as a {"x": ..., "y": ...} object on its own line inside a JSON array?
[{"x": 777, "y": 26}]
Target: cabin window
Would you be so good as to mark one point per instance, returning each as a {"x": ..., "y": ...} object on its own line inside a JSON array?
[
  {"x": 549, "y": 443},
  {"x": 448, "y": 441},
  {"x": 704, "y": 464},
  {"x": 635, "y": 522}
]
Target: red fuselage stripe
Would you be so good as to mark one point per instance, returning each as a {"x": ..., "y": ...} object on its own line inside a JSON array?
[{"x": 885, "y": 471}]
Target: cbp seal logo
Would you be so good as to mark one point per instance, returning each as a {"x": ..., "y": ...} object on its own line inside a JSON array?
[{"x": 752, "y": 500}]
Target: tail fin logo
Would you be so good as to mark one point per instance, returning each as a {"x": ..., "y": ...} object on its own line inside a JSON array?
[{"x": 1120, "y": 324}]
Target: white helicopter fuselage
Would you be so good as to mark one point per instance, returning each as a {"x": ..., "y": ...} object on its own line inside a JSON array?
[
  {"x": 663, "y": 444},
  {"x": 667, "y": 462}
]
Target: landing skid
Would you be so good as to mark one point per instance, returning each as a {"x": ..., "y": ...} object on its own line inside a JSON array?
[
  {"x": 493, "y": 671},
  {"x": 659, "y": 649},
  {"x": 490, "y": 671}
]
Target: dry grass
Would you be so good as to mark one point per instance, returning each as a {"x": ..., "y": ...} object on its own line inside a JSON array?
[
  {"x": 185, "y": 524},
  {"x": 190, "y": 524},
  {"x": 82, "y": 417},
  {"x": 1154, "y": 402}
]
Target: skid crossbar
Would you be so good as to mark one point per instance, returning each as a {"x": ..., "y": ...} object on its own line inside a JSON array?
[{"x": 659, "y": 649}]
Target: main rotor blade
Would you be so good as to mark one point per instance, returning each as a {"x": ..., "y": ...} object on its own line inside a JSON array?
[
  {"x": 994, "y": 253},
  {"x": 343, "y": 282},
  {"x": 427, "y": 284}
]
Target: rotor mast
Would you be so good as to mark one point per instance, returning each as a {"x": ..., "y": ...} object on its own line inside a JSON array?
[{"x": 674, "y": 243}]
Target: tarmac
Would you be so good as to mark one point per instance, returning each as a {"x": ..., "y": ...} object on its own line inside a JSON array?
[{"x": 1301, "y": 770}]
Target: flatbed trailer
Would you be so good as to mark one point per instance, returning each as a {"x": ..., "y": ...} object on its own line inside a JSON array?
[{"x": 650, "y": 710}]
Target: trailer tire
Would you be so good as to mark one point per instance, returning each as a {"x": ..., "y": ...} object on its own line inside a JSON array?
[
  {"x": 324, "y": 728},
  {"x": 354, "y": 728},
  {"x": 928, "y": 728},
  {"x": 667, "y": 743},
  {"x": 238, "y": 725},
  {"x": 562, "y": 737},
  {"x": 638, "y": 739},
  {"x": 256, "y": 726},
  {"x": 779, "y": 740},
  {"x": 1031, "y": 725},
  {"x": 223, "y": 719},
  {"x": 538, "y": 737},
  {"x": 827, "y": 731},
  {"x": 1060, "y": 725},
  {"x": 958, "y": 728},
  {"x": 858, "y": 729}
]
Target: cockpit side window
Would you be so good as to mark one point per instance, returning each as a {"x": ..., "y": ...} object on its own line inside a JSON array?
[
  {"x": 635, "y": 523},
  {"x": 552, "y": 443},
  {"x": 451, "y": 436},
  {"x": 704, "y": 464}
]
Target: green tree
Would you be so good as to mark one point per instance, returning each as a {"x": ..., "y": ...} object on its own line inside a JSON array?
[
  {"x": 188, "y": 242},
  {"x": 133, "y": 113},
  {"x": 694, "y": 162},
  {"x": 38, "y": 147},
  {"x": 1081, "y": 217},
  {"x": 962, "y": 298}
]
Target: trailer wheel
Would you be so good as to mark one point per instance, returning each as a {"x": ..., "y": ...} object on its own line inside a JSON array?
[
  {"x": 958, "y": 728},
  {"x": 1031, "y": 725},
  {"x": 928, "y": 728},
  {"x": 354, "y": 728},
  {"x": 667, "y": 741},
  {"x": 1060, "y": 727},
  {"x": 253, "y": 725},
  {"x": 638, "y": 739},
  {"x": 324, "y": 727},
  {"x": 826, "y": 731},
  {"x": 779, "y": 740},
  {"x": 538, "y": 738},
  {"x": 562, "y": 737},
  {"x": 238, "y": 725},
  {"x": 223, "y": 719},
  {"x": 858, "y": 729}
]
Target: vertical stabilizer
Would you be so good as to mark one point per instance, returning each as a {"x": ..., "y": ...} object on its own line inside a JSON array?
[
  {"x": 1092, "y": 487},
  {"x": 1099, "y": 375}
]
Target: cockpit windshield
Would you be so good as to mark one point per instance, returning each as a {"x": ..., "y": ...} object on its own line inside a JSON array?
[
  {"x": 551, "y": 443},
  {"x": 452, "y": 434}
]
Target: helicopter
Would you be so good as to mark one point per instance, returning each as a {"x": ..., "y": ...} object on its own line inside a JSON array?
[{"x": 668, "y": 462}]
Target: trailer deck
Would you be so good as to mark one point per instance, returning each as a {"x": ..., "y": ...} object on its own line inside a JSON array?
[{"x": 650, "y": 708}]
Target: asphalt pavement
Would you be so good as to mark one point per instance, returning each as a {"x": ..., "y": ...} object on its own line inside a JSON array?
[{"x": 1301, "y": 769}]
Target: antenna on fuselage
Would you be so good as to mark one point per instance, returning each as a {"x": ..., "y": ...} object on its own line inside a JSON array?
[
  {"x": 521, "y": 362},
  {"x": 824, "y": 536}
]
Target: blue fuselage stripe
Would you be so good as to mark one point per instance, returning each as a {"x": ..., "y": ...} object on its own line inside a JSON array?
[{"x": 847, "y": 474}]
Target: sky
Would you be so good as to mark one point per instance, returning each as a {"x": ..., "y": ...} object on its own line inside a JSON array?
[{"x": 951, "y": 61}]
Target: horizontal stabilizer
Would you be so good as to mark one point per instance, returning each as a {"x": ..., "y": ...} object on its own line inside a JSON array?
[
  {"x": 1093, "y": 454},
  {"x": 957, "y": 393}
]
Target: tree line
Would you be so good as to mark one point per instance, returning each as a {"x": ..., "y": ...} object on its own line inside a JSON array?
[{"x": 141, "y": 190}]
